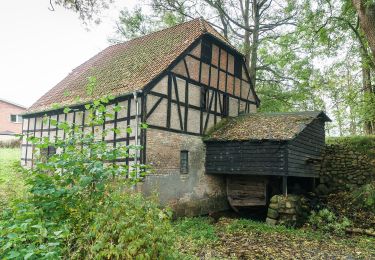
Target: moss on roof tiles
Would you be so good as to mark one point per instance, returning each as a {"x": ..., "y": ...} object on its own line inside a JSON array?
[
  {"x": 126, "y": 67},
  {"x": 264, "y": 126}
]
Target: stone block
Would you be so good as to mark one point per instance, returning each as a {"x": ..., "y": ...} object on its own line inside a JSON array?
[
  {"x": 271, "y": 221},
  {"x": 274, "y": 206},
  {"x": 272, "y": 213}
]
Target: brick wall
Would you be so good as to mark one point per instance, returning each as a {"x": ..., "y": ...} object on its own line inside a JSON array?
[
  {"x": 6, "y": 110},
  {"x": 194, "y": 193}
]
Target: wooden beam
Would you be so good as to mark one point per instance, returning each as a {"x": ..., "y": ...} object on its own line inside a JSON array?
[
  {"x": 285, "y": 185},
  {"x": 27, "y": 136},
  {"x": 186, "y": 106},
  {"x": 115, "y": 127},
  {"x": 208, "y": 87},
  {"x": 169, "y": 100},
  {"x": 208, "y": 114},
  {"x": 186, "y": 68},
  {"x": 154, "y": 107},
  {"x": 172, "y": 130}
]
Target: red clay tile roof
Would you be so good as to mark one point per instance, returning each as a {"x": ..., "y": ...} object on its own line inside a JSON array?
[
  {"x": 125, "y": 67},
  {"x": 264, "y": 126}
]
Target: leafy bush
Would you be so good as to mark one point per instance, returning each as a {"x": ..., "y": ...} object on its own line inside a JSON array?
[
  {"x": 71, "y": 192},
  {"x": 127, "y": 226},
  {"x": 364, "y": 197},
  {"x": 26, "y": 234},
  {"x": 327, "y": 221}
]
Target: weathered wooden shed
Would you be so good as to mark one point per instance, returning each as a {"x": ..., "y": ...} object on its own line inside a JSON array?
[{"x": 252, "y": 149}]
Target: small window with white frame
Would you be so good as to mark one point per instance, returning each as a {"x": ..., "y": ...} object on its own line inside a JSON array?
[{"x": 16, "y": 118}]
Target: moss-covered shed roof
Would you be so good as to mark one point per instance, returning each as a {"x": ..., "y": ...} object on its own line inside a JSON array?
[
  {"x": 126, "y": 67},
  {"x": 264, "y": 126}
]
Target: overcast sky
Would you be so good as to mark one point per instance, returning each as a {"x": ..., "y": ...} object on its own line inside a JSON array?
[{"x": 38, "y": 48}]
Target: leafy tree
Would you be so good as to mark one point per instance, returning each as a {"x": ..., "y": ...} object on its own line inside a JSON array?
[
  {"x": 366, "y": 14},
  {"x": 88, "y": 10},
  {"x": 329, "y": 39}
]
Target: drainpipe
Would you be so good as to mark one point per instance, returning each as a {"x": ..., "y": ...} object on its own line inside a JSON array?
[{"x": 136, "y": 128}]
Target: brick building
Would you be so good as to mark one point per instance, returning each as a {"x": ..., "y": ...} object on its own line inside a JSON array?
[
  {"x": 181, "y": 81},
  {"x": 10, "y": 119}
]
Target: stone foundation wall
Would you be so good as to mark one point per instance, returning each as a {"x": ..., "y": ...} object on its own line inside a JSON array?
[
  {"x": 287, "y": 210},
  {"x": 344, "y": 168}
]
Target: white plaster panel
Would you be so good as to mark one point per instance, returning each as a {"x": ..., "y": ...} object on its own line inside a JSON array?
[
  {"x": 161, "y": 86},
  {"x": 159, "y": 116},
  {"x": 194, "y": 95}
]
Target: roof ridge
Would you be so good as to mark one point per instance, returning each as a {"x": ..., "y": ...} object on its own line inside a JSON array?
[
  {"x": 154, "y": 32},
  {"x": 202, "y": 25},
  {"x": 126, "y": 66},
  {"x": 12, "y": 103},
  {"x": 131, "y": 40}
]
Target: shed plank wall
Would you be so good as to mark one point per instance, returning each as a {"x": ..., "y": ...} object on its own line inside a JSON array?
[
  {"x": 307, "y": 145},
  {"x": 251, "y": 158}
]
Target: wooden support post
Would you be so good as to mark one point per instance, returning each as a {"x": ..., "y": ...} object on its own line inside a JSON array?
[
  {"x": 285, "y": 185},
  {"x": 313, "y": 184}
]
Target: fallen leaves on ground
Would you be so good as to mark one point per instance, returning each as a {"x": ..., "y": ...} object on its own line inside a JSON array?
[
  {"x": 342, "y": 204},
  {"x": 255, "y": 243}
]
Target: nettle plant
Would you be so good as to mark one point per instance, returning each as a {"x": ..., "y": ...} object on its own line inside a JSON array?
[
  {"x": 69, "y": 187},
  {"x": 84, "y": 165}
]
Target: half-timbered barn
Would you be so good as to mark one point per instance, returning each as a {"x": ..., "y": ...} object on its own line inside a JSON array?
[{"x": 181, "y": 81}]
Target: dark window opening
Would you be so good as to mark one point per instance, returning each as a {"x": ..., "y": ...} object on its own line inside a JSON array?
[
  {"x": 184, "y": 162},
  {"x": 206, "y": 51},
  {"x": 204, "y": 99},
  {"x": 15, "y": 118},
  {"x": 238, "y": 67},
  {"x": 46, "y": 153},
  {"x": 225, "y": 104}
]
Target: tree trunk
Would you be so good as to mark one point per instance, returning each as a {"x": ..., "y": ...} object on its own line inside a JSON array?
[
  {"x": 366, "y": 14},
  {"x": 255, "y": 42},
  {"x": 367, "y": 88}
]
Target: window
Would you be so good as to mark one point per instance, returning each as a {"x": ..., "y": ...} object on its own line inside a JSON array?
[
  {"x": 206, "y": 51},
  {"x": 45, "y": 153},
  {"x": 225, "y": 104},
  {"x": 237, "y": 66},
  {"x": 16, "y": 118},
  {"x": 184, "y": 162}
]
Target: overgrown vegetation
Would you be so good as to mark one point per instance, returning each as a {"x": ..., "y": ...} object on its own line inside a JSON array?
[
  {"x": 328, "y": 222},
  {"x": 74, "y": 207},
  {"x": 364, "y": 197},
  {"x": 362, "y": 144},
  {"x": 12, "y": 184}
]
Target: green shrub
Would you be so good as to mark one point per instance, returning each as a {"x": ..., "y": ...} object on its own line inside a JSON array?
[
  {"x": 364, "y": 197},
  {"x": 25, "y": 234},
  {"x": 70, "y": 192},
  {"x": 327, "y": 221},
  {"x": 125, "y": 227}
]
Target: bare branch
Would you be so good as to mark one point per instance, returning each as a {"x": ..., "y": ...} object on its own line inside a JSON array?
[{"x": 51, "y": 8}]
